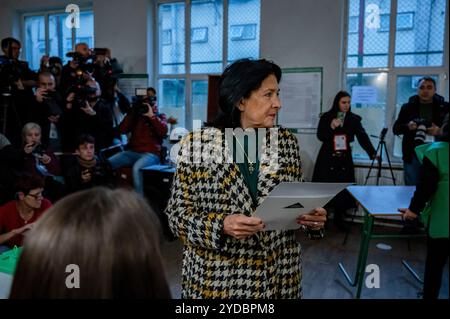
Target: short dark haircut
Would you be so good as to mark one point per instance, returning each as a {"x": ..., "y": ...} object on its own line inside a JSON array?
[
  {"x": 46, "y": 74},
  {"x": 237, "y": 82},
  {"x": 151, "y": 89},
  {"x": 109, "y": 234},
  {"x": 26, "y": 183},
  {"x": 337, "y": 99},
  {"x": 54, "y": 60},
  {"x": 428, "y": 79},
  {"x": 6, "y": 42},
  {"x": 85, "y": 139}
]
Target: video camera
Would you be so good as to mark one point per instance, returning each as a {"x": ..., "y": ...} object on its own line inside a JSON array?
[
  {"x": 10, "y": 71},
  {"x": 141, "y": 100},
  {"x": 83, "y": 63}
]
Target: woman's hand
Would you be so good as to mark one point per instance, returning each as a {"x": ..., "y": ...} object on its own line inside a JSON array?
[
  {"x": 335, "y": 123},
  {"x": 407, "y": 214},
  {"x": 315, "y": 219},
  {"x": 28, "y": 148},
  {"x": 22, "y": 229},
  {"x": 240, "y": 226},
  {"x": 45, "y": 159}
]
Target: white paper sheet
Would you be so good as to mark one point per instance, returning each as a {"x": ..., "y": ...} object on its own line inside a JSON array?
[{"x": 287, "y": 201}]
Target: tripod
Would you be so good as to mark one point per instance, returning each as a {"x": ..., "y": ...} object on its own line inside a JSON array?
[{"x": 381, "y": 146}]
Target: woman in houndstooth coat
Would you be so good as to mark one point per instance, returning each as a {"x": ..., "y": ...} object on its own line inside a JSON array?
[{"x": 220, "y": 182}]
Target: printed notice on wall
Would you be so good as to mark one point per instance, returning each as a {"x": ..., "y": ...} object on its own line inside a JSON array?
[
  {"x": 364, "y": 94},
  {"x": 301, "y": 98},
  {"x": 128, "y": 83}
]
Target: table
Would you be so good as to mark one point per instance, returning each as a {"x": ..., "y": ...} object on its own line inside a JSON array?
[{"x": 377, "y": 201}]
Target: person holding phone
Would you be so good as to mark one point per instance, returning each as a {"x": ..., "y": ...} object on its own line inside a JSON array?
[{"x": 337, "y": 130}]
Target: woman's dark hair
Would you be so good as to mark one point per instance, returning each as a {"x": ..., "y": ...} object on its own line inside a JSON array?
[
  {"x": 110, "y": 235},
  {"x": 238, "y": 81},
  {"x": 26, "y": 183},
  {"x": 335, "y": 107}
]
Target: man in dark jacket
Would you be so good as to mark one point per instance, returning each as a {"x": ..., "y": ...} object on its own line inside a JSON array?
[{"x": 419, "y": 121}]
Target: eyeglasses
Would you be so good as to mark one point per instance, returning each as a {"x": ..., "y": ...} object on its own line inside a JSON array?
[{"x": 36, "y": 196}]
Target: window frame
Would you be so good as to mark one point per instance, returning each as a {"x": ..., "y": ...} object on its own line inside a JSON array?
[
  {"x": 46, "y": 14},
  {"x": 188, "y": 76},
  {"x": 242, "y": 36},
  {"x": 204, "y": 37},
  {"x": 394, "y": 72}
]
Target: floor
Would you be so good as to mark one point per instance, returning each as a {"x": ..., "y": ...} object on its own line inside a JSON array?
[{"x": 321, "y": 276}]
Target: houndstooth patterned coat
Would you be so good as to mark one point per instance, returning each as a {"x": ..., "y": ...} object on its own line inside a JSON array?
[{"x": 204, "y": 192}]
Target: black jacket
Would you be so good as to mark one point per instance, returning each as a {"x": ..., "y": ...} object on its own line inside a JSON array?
[
  {"x": 101, "y": 176},
  {"x": 411, "y": 111},
  {"x": 332, "y": 167}
]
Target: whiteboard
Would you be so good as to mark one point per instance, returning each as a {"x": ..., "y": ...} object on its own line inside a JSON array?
[
  {"x": 301, "y": 98},
  {"x": 129, "y": 82}
]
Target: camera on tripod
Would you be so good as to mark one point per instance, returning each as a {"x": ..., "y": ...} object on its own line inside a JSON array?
[{"x": 10, "y": 72}]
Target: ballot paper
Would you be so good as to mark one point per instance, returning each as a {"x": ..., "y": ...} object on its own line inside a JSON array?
[{"x": 287, "y": 201}]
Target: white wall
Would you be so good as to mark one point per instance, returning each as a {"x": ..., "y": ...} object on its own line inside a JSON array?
[
  {"x": 305, "y": 34},
  {"x": 123, "y": 27}
]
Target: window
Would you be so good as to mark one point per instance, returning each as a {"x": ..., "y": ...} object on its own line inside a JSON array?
[
  {"x": 199, "y": 35},
  {"x": 391, "y": 57},
  {"x": 405, "y": 21},
  {"x": 186, "y": 58},
  {"x": 353, "y": 25},
  {"x": 243, "y": 32},
  {"x": 166, "y": 37},
  {"x": 47, "y": 33}
]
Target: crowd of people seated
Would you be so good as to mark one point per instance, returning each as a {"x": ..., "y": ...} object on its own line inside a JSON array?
[{"x": 55, "y": 122}]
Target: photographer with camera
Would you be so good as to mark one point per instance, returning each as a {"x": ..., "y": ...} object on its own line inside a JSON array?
[
  {"x": 119, "y": 106},
  {"x": 47, "y": 111},
  {"x": 337, "y": 130},
  {"x": 87, "y": 170},
  {"x": 78, "y": 66},
  {"x": 16, "y": 95},
  {"x": 419, "y": 121},
  {"x": 87, "y": 113},
  {"x": 147, "y": 128},
  {"x": 53, "y": 65},
  {"x": 105, "y": 69}
]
